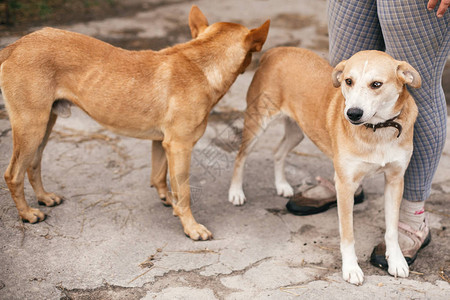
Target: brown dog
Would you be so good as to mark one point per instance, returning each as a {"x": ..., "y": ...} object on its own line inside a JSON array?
[
  {"x": 366, "y": 126},
  {"x": 163, "y": 96}
]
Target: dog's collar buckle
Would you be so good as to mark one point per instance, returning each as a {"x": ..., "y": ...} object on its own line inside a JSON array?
[{"x": 388, "y": 123}]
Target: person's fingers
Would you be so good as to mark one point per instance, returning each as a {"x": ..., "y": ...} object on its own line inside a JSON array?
[
  {"x": 432, "y": 4},
  {"x": 443, "y": 8}
]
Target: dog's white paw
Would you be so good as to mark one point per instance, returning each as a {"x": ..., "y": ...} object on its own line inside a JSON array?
[
  {"x": 284, "y": 189},
  {"x": 353, "y": 274},
  {"x": 398, "y": 267},
  {"x": 236, "y": 196}
]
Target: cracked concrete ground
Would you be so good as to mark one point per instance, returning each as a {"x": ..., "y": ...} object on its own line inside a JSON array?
[{"x": 113, "y": 239}]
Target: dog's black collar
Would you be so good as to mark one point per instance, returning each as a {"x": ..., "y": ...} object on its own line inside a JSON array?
[{"x": 388, "y": 123}]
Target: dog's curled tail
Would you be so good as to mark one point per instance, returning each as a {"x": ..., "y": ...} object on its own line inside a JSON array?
[{"x": 4, "y": 54}]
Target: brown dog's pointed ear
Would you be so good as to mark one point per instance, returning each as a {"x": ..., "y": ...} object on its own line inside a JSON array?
[
  {"x": 197, "y": 21},
  {"x": 408, "y": 75},
  {"x": 257, "y": 37},
  {"x": 336, "y": 75}
]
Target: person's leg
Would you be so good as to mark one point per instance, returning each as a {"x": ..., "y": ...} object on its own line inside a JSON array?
[
  {"x": 414, "y": 34},
  {"x": 353, "y": 26}
]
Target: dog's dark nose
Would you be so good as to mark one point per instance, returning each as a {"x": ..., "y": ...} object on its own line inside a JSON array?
[{"x": 355, "y": 114}]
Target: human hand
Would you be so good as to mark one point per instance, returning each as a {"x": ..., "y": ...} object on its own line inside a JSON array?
[{"x": 442, "y": 7}]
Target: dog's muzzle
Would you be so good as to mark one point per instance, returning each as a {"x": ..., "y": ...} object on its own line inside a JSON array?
[{"x": 354, "y": 115}]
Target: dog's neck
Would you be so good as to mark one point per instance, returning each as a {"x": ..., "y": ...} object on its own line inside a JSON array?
[
  {"x": 219, "y": 62},
  {"x": 387, "y": 123}
]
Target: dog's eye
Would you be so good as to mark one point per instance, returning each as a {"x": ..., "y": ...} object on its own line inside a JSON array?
[
  {"x": 376, "y": 84},
  {"x": 348, "y": 81}
]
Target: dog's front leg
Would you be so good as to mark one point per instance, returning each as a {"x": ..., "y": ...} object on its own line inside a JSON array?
[
  {"x": 345, "y": 190},
  {"x": 179, "y": 157},
  {"x": 393, "y": 194}
]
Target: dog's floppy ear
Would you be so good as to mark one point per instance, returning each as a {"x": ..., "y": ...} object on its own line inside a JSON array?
[
  {"x": 408, "y": 75},
  {"x": 197, "y": 21},
  {"x": 257, "y": 37},
  {"x": 336, "y": 75}
]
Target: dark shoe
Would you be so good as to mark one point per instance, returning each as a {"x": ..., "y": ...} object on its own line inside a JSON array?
[
  {"x": 317, "y": 199},
  {"x": 421, "y": 238}
]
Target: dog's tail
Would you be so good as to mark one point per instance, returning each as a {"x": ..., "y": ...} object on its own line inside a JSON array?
[{"x": 4, "y": 54}]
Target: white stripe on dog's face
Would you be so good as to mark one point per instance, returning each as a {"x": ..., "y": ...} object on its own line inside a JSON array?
[{"x": 371, "y": 89}]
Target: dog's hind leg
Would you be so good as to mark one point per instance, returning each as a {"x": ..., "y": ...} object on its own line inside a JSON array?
[
  {"x": 158, "y": 177},
  {"x": 34, "y": 170},
  {"x": 28, "y": 134},
  {"x": 293, "y": 135},
  {"x": 258, "y": 115}
]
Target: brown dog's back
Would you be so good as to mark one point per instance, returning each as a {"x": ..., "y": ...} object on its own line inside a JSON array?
[{"x": 91, "y": 74}]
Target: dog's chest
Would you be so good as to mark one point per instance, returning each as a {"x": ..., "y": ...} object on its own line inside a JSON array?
[{"x": 381, "y": 156}]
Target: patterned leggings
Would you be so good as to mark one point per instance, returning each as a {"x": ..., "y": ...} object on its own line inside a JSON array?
[{"x": 407, "y": 31}]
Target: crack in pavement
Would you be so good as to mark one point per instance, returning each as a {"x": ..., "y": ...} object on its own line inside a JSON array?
[{"x": 172, "y": 278}]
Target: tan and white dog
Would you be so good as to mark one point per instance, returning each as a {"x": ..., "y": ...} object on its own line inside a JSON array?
[
  {"x": 366, "y": 126},
  {"x": 164, "y": 96}
]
